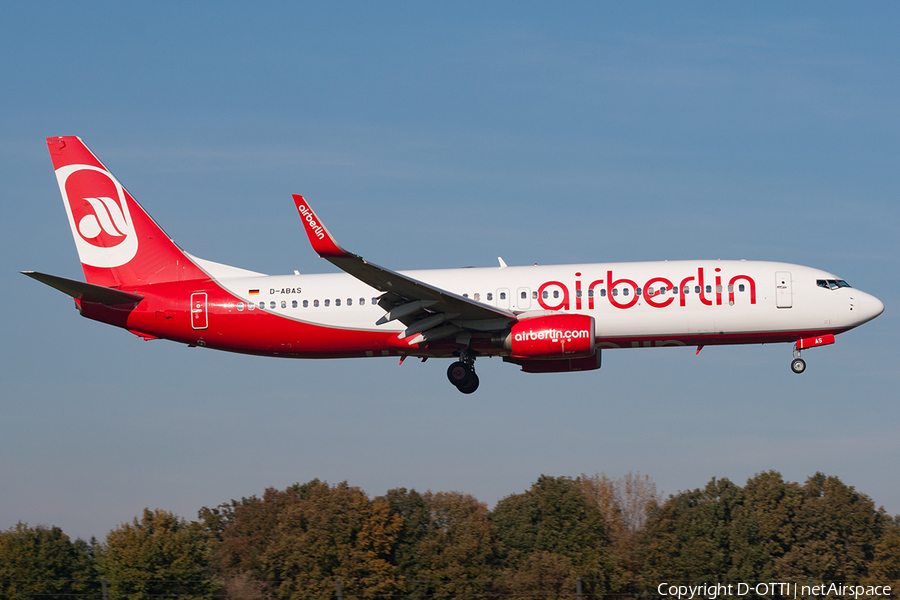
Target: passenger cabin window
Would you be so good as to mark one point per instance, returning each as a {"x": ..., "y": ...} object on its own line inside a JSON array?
[
  {"x": 294, "y": 304},
  {"x": 477, "y": 297},
  {"x": 523, "y": 294},
  {"x": 374, "y": 301},
  {"x": 349, "y": 301},
  {"x": 263, "y": 305},
  {"x": 306, "y": 304},
  {"x": 240, "y": 306},
  {"x": 284, "y": 304},
  {"x": 328, "y": 303},
  {"x": 362, "y": 301},
  {"x": 337, "y": 302},
  {"x": 696, "y": 289},
  {"x": 315, "y": 304}
]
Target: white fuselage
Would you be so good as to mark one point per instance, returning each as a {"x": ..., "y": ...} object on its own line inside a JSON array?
[{"x": 735, "y": 298}]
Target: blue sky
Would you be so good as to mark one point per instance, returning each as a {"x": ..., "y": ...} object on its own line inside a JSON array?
[{"x": 442, "y": 136}]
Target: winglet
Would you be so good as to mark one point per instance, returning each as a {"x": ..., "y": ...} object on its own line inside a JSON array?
[{"x": 321, "y": 240}]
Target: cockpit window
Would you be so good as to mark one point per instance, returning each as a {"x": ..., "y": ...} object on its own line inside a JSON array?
[{"x": 832, "y": 284}]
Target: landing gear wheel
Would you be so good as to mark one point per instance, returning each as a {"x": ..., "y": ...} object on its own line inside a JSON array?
[
  {"x": 798, "y": 365},
  {"x": 470, "y": 386},
  {"x": 459, "y": 373}
]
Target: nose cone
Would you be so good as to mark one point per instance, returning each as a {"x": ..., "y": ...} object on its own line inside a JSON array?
[{"x": 869, "y": 307}]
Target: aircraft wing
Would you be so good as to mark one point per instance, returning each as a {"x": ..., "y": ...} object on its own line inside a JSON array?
[{"x": 430, "y": 313}]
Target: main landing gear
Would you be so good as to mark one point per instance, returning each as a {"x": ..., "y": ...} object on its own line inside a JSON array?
[
  {"x": 798, "y": 365},
  {"x": 462, "y": 373}
]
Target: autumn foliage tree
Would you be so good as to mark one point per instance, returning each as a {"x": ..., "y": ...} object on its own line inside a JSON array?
[
  {"x": 299, "y": 541},
  {"x": 612, "y": 537}
]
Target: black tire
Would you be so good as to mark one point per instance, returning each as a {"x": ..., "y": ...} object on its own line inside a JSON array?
[
  {"x": 798, "y": 365},
  {"x": 459, "y": 373},
  {"x": 470, "y": 386}
]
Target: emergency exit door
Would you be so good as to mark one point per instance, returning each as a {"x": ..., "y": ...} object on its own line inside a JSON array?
[
  {"x": 198, "y": 311},
  {"x": 783, "y": 295}
]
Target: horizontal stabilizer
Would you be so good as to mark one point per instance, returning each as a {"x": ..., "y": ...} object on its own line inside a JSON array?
[{"x": 87, "y": 292}]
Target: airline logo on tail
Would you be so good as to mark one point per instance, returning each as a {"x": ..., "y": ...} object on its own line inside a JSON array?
[{"x": 98, "y": 215}]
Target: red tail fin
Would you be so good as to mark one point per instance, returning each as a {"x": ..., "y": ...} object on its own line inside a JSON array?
[{"x": 117, "y": 241}]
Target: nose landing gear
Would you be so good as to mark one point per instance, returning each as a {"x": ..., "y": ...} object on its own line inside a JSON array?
[
  {"x": 462, "y": 373},
  {"x": 798, "y": 365}
]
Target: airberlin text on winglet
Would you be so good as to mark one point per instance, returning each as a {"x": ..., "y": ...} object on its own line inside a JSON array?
[{"x": 307, "y": 216}]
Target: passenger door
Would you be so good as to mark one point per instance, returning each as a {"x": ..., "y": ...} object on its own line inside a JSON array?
[
  {"x": 783, "y": 295},
  {"x": 198, "y": 310}
]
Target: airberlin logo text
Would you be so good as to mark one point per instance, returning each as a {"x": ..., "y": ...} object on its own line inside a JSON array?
[
  {"x": 552, "y": 334},
  {"x": 308, "y": 217},
  {"x": 658, "y": 292}
]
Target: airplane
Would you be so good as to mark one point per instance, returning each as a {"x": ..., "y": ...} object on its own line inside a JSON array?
[{"x": 545, "y": 319}]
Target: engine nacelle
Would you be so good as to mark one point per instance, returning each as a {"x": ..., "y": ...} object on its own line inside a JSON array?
[{"x": 551, "y": 336}]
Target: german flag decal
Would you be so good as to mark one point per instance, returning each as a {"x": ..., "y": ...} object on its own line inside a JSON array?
[{"x": 254, "y": 292}]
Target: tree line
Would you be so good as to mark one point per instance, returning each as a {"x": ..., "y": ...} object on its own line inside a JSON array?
[{"x": 602, "y": 537}]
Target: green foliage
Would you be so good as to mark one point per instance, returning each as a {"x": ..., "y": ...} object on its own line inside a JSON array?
[
  {"x": 158, "y": 554},
  {"x": 836, "y": 532},
  {"x": 447, "y": 545},
  {"x": 769, "y": 530},
  {"x": 42, "y": 561},
  {"x": 554, "y": 527}
]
